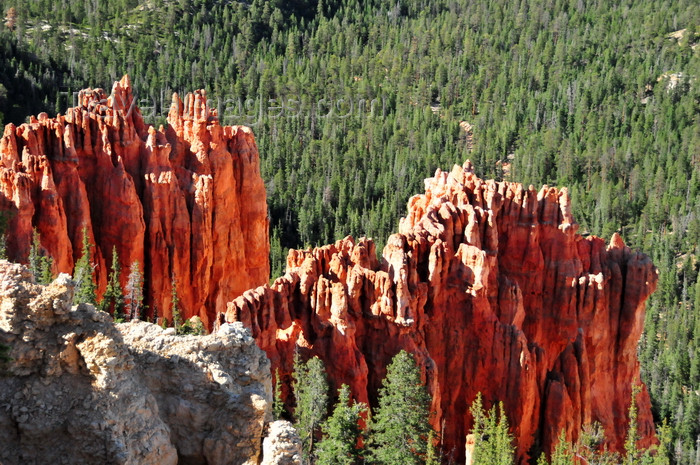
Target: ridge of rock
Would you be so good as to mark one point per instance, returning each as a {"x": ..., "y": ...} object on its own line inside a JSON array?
[
  {"x": 81, "y": 390},
  {"x": 489, "y": 285},
  {"x": 187, "y": 201}
]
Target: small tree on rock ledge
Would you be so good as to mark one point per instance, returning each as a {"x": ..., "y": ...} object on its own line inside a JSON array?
[{"x": 84, "y": 275}]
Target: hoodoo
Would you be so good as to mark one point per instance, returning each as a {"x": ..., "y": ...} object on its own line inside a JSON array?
[
  {"x": 187, "y": 201},
  {"x": 490, "y": 286}
]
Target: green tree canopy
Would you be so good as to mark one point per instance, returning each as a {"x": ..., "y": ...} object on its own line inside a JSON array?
[
  {"x": 493, "y": 443},
  {"x": 83, "y": 273},
  {"x": 399, "y": 429},
  {"x": 311, "y": 394},
  {"x": 113, "y": 299},
  {"x": 342, "y": 432}
]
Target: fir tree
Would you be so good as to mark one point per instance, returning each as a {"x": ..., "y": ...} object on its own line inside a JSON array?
[
  {"x": 40, "y": 264},
  {"x": 35, "y": 254},
  {"x": 493, "y": 444},
  {"x": 342, "y": 433},
  {"x": 277, "y": 403},
  {"x": 175, "y": 306},
  {"x": 134, "y": 292},
  {"x": 311, "y": 395},
  {"x": 196, "y": 326},
  {"x": 46, "y": 270},
  {"x": 399, "y": 429},
  {"x": 433, "y": 455},
  {"x": 632, "y": 453},
  {"x": 83, "y": 273},
  {"x": 659, "y": 455},
  {"x": 113, "y": 298},
  {"x": 564, "y": 453},
  {"x": 4, "y": 223}
]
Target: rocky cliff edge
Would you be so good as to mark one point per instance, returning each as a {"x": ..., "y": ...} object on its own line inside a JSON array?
[{"x": 80, "y": 389}]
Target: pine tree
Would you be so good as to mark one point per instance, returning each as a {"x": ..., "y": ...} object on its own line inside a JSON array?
[
  {"x": 45, "y": 270},
  {"x": 4, "y": 224},
  {"x": 564, "y": 453},
  {"x": 40, "y": 264},
  {"x": 433, "y": 455},
  {"x": 311, "y": 395},
  {"x": 589, "y": 443},
  {"x": 493, "y": 444},
  {"x": 83, "y": 273},
  {"x": 659, "y": 455},
  {"x": 134, "y": 292},
  {"x": 35, "y": 254},
  {"x": 194, "y": 326},
  {"x": 632, "y": 454},
  {"x": 277, "y": 403},
  {"x": 113, "y": 298},
  {"x": 175, "y": 306},
  {"x": 399, "y": 429},
  {"x": 342, "y": 433}
]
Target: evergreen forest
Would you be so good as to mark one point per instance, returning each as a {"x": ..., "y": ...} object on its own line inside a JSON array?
[{"x": 355, "y": 102}]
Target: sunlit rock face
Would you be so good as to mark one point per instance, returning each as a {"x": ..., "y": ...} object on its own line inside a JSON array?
[
  {"x": 187, "y": 201},
  {"x": 489, "y": 285}
]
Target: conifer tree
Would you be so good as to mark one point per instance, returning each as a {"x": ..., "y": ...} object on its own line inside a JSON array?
[
  {"x": 134, "y": 292},
  {"x": 277, "y": 403},
  {"x": 175, "y": 306},
  {"x": 83, "y": 274},
  {"x": 659, "y": 455},
  {"x": 40, "y": 264},
  {"x": 113, "y": 298},
  {"x": 46, "y": 270},
  {"x": 632, "y": 454},
  {"x": 4, "y": 223},
  {"x": 193, "y": 326},
  {"x": 34, "y": 254},
  {"x": 493, "y": 444},
  {"x": 342, "y": 433},
  {"x": 399, "y": 429},
  {"x": 564, "y": 452},
  {"x": 311, "y": 395},
  {"x": 433, "y": 455}
]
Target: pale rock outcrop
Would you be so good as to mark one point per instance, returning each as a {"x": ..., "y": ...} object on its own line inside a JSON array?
[
  {"x": 81, "y": 390},
  {"x": 282, "y": 445}
]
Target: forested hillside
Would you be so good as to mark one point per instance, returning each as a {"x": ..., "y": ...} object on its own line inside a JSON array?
[{"x": 602, "y": 97}]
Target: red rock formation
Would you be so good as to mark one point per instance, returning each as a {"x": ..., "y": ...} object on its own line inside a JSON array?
[
  {"x": 187, "y": 201},
  {"x": 492, "y": 289}
]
